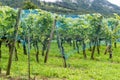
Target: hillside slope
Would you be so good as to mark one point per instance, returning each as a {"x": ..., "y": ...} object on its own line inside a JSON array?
[{"x": 71, "y": 6}]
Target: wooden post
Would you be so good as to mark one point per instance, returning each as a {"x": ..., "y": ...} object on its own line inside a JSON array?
[{"x": 84, "y": 49}]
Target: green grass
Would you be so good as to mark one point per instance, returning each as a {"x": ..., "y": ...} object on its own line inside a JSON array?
[{"x": 102, "y": 68}]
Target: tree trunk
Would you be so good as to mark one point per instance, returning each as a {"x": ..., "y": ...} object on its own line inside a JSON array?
[
  {"x": 110, "y": 54},
  {"x": 13, "y": 42},
  {"x": 84, "y": 50},
  {"x": 10, "y": 59},
  {"x": 69, "y": 41},
  {"x": 93, "y": 50},
  {"x": 106, "y": 50},
  {"x": 77, "y": 46},
  {"x": 58, "y": 41},
  {"x": 43, "y": 49},
  {"x": 90, "y": 48},
  {"x": 60, "y": 45},
  {"x": 24, "y": 49},
  {"x": 49, "y": 43},
  {"x": 115, "y": 44},
  {"x": 37, "y": 52},
  {"x": 16, "y": 56},
  {"x": 110, "y": 51},
  {"x": 24, "y": 46},
  {"x": 63, "y": 54},
  {"x": 73, "y": 44},
  {"x": 98, "y": 47},
  {"x": 0, "y": 56}
]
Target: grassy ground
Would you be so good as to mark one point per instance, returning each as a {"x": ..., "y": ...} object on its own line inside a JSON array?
[{"x": 102, "y": 68}]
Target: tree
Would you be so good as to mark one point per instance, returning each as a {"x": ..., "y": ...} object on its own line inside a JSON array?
[
  {"x": 29, "y": 5},
  {"x": 96, "y": 31},
  {"x": 7, "y": 22},
  {"x": 40, "y": 26}
]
